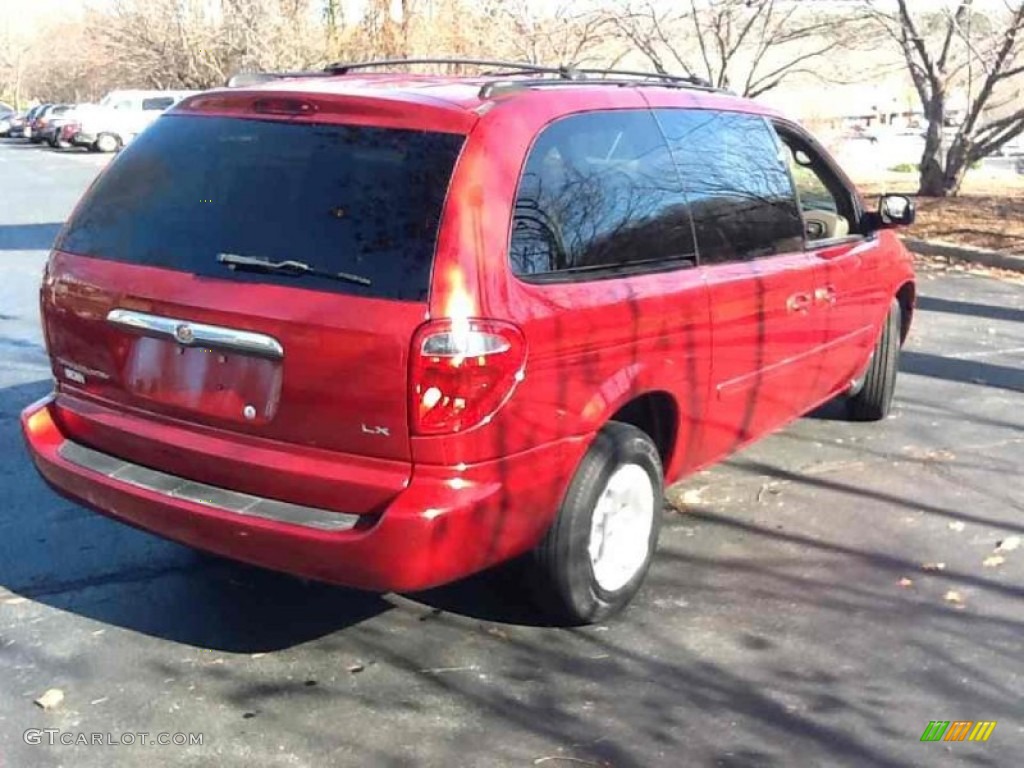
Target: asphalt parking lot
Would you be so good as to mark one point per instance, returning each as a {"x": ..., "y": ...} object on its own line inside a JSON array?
[{"x": 787, "y": 621}]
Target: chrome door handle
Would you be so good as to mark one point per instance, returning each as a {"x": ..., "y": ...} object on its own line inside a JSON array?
[
  {"x": 798, "y": 302},
  {"x": 825, "y": 295}
]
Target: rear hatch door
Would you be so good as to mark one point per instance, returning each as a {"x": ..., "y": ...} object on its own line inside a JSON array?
[{"x": 156, "y": 299}]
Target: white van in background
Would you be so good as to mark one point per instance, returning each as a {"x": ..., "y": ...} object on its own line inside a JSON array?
[{"x": 121, "y": 116}]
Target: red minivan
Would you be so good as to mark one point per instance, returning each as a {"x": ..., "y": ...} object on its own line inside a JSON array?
[{"x": 387, "y": 330}]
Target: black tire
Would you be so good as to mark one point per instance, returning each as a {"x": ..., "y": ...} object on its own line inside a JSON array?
[
  {"x": 560, "y": 568},
  {"x": 107, "y": 142},
  {"x": 872, "y": 396}
]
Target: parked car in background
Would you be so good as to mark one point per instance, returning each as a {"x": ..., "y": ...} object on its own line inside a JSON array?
[
  {"x": 121, "y": 116},
  {"x": 66, "y": 132},
  {"x": 387, "y": 332},
  {"x": 30, "y": 117},
  {"x": 42, "y": 119},
  {"x": 62, "y": 128},
  {"x": 47, "y": 124},
  {"x": 1020, "y": 165},
  {"x": 11, "y": 123}
]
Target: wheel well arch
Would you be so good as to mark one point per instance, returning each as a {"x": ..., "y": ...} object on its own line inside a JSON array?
[
  {"x": 657, "y": 414},
  {"x": 907, "y": 298}
]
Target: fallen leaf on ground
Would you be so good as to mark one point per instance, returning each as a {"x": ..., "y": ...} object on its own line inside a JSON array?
[
  {"x": 953, "y": 597},
  {"x": 439, "y": 670},
  {"x": 52, "y": 698},
  {"x": 933, "y": 567},
  {"x": 993, "y": 561},
  {"x": 905, "y": 582},
  {"x": 691, "y": 497},
  {"x": 14, "y": 601},
  {"x": 356, "y": 668},
  {"x": 957, "y": 526},
  {"x": 1008, "y": 544}
]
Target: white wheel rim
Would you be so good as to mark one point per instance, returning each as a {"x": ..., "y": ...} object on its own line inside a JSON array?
[{"x": 620, "y": 529}]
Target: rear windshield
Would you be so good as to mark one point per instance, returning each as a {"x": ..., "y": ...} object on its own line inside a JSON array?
[{"x": 353, "y": 199}]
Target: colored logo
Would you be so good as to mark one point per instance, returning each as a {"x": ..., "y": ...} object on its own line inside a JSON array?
[{"x": 958, "y": 730}]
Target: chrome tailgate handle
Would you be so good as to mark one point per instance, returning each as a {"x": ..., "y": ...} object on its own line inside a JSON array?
[{"x": 190, "y": 334}]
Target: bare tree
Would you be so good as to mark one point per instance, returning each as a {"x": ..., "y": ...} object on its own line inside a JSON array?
[
  {"x": 751, "y": 46},
  {"x": 961, "y": 49},
  {"x": 15, "y": 58},
  {"x": 200, "y": 43},
  {"x": 561, "y": 34}
]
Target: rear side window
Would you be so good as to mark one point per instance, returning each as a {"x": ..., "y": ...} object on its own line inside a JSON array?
[
  {"x": 159, "y": 103},
  {"x": 740, "y": 192},
  {"x": 359, "y": 200},
  {"x": 599, "y": 191}
]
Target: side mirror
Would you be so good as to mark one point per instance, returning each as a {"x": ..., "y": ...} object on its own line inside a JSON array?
[
  {"x": 893, "y": 211},
  {"x": 896, "y": 211}
]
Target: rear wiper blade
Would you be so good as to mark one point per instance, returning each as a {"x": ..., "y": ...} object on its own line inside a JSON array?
[{"x": 237, "y": 261}]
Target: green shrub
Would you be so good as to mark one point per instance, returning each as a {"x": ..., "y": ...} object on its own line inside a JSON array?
[{"x": 905, "y": 168}]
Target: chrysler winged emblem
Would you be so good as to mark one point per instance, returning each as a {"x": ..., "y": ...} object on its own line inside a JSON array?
[{"x": 183, "y": 334}]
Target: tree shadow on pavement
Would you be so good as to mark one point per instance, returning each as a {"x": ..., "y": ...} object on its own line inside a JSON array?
[
  {"x": 963, "y": 371},
  {"x": 958, "y": 307}
]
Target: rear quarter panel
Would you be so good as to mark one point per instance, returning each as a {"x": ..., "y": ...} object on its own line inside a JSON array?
[{"x": 592, "y": 346}]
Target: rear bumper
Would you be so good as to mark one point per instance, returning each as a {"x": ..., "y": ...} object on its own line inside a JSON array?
[{"x": 448, "y": 523}]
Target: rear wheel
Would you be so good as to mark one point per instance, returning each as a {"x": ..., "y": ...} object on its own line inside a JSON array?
[
  {"x": 107, "y": 142},
  {"x": 871, "y": 395},
  {"x": 599, "y": 548}
]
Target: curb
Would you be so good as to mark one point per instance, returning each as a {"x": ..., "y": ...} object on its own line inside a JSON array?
[{"x": 994, "y": 259}]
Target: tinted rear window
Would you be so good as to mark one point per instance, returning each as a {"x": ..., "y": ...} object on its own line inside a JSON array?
[
  {"x": 353, "y": 199},
  {"x": 600, "y": 191}
]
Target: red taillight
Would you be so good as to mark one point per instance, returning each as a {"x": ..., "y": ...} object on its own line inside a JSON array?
[{"x": 462, "y": 371}]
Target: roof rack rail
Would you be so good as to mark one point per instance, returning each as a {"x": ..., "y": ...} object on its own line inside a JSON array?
[
  {"x": 501, "y": 88},
  {"x": 683, "y": 79},
  {"x": 566, "y": 72}
]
